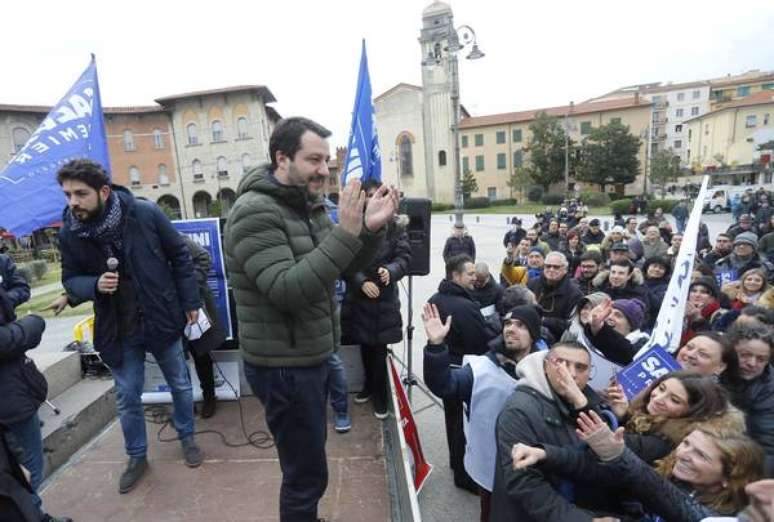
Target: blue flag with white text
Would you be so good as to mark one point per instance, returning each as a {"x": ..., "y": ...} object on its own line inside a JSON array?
[
  {"x": 363, "y": 160},
  {"x": 30, "y": 197}
]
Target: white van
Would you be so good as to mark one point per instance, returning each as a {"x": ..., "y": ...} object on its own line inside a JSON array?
[{"x": 719, "y": 197}]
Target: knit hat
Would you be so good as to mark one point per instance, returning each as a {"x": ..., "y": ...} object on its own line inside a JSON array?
[
  {"x": 594, "y": 222},
  {"x": 529, "y": 316},
  {"x": 538, "y": 250},
  {"x": 515, "y": 221},
  {"x": 619, "y": 246},
  {"x": 707, "y": 282},
  {"x": 618, "y": 229},
  {"x": 633, "y": 309},
  {"x": 459, "y": 224},
  {"x": 749, "y": 238}
]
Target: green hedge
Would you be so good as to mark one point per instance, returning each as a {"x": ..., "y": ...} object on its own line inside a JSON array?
[
  {"x": 552, "y": 199},
  {"x": 477, "y": 203},
  {"x": 621, "y": 206},
  {"x": 441, "y": 207},
  {"x": 666, "y": 205},
  {"x": 503, "y": 202},
  {"x": 535, "y": 194},
  {"x": 595, "y": 199}
]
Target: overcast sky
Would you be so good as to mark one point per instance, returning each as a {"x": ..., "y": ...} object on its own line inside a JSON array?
[{"x": 538, "y": 53}]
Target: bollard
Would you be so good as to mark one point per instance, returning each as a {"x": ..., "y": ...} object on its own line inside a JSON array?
[
  {"x": 606, "y": 225},
  {"x": 450, "y": 218},
  {"x": 478, "y": 219}
]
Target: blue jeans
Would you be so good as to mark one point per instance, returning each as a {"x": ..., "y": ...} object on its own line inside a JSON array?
[
  {"x": 294, "y": 402},
  {"x": 130, "y": 379},
  {"x": 337, "y": 384},
  {"x": 26, "y": 436}
]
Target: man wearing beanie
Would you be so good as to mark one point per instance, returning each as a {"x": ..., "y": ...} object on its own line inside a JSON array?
[
  {"x": 483, "y": 383},
  {"x": 534, "y": 263},
  {"x": 743, "y": 258}
]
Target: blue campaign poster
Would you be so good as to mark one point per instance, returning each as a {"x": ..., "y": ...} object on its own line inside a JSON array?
[
  {"x": 206, "y": 232},
  {"x": 639, "y": 374}
]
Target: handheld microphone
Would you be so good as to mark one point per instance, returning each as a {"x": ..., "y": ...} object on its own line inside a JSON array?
[{"x": 112, "y": 264}]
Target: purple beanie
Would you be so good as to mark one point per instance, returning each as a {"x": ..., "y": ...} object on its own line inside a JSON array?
[{"x": 633, "y": 309}]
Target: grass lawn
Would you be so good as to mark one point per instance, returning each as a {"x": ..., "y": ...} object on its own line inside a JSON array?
[
  {"x": 53, "y": 275},
  {"x": 530, "y": 208},
  {"x": 35, "y": 304}
]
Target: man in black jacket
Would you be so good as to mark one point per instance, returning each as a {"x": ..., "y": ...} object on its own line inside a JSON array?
[
  {"x": 468, "y": 330},
  {"x": 141, "y": 304},
  {"x": 556, "y": 292},
  {"x": 23, "y": 389},
  {"x": 486, "y": 290},
  {"x": 515, "y": 234},
  {"x": 622, "y": 281},
  {"x": 459, "y": 243},
  {"x": 590, "y": 263},
  {"x": 552, "y": 392},
  {"x": 14, "y": 289}
]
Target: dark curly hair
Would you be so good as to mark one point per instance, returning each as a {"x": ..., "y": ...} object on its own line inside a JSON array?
[{"x": 85, "y": 171}]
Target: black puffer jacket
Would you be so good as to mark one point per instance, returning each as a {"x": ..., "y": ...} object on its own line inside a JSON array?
[
  {"x": 672, "y": 501},
  {"x": 459, "y": 245},
  {"x": 534, "y": 415},
  {"x": 377, "y": 321},
  {"x": 469, "y": 332},
  {"x": 756, "y": 399},
  {"x": 22, "y": 387},
  {"x": 489, "y": 294},
  {"x": 558, "y": 302}
]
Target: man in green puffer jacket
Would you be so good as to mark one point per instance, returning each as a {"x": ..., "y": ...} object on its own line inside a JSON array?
[{"x": 284, "y": 256}]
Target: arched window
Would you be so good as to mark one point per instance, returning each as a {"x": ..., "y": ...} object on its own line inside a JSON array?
[
  {"x": 158, "y": 139},
  {"x": 20, "y": 138},
  {"x": 163, "y": 178},
  {"x": 217, "y": 131},
  {"x": 442, "y": 158},
  {"x": 128, "y": 141},
  {"x": 406, "y": 159},
  {"x": 242, "y": 128},
  {"x": 222, "y": 167},
  {"x": 134, "y": 176},
  {"x": 247, "y": 162},
  {"x": 198, "y": 173},
  {"x": 193, "y": 133}
]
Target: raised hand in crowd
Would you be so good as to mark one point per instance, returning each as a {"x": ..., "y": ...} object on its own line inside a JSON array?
[
  {"x": 593, "y": 431},
  {"x": 351, "y": 203},
  {"x": 370, "y": 289},
  {"x": 381, "y": 208},
  {"x": 435, "y": 329},
  {"x": 599, "y": 315},
  {"x": 615, "y": 397},
  {"x": 384, "y": 275},
  {"x": 525, "y": 456}
]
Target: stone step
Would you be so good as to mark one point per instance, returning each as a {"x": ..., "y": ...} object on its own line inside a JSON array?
[
  {"x": 62, "y": 369},
  {"x": 86, "y": 408}
]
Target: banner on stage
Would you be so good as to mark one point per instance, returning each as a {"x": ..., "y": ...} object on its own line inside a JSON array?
[
  {"x": 642, "y": 372},
  {"x": 157, "y": 391},
  {"x": 206, "y": 233},
  {"x": 419, "y": 466}
]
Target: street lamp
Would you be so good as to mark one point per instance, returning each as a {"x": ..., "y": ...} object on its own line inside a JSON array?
[{"x": 458, "y": 39}]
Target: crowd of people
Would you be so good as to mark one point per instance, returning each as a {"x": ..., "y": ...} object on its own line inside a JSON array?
[{"x": 541, "y": 430}]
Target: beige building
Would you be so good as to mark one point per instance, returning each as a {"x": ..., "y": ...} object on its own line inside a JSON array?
[
  {"x": 728, "y": 139},
  {"x": 735, "y": 87},
  {"x": 493, "y": 146}
]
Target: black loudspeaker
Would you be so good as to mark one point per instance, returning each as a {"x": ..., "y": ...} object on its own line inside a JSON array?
[{"x": 418, "y": 230}]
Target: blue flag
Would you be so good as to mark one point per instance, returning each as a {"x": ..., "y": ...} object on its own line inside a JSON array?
[
  {"x": 363, "y": 160},
  {"x": 30, "y": 197}
]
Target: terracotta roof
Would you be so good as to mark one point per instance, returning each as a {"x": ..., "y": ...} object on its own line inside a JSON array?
[
  {"x": 45, "y": 109},
  {"x": 759, "y": 98},
  {"x": 648, "y": 88},
  {"x": 767, "y": 76},
  {"x": 398, "y": 86},
  {"x": 261, "y": 90},
  {"x": 581, "y": 108}
]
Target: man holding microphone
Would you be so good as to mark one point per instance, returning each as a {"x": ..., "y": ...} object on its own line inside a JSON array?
[{"x": 125, "y": 256}]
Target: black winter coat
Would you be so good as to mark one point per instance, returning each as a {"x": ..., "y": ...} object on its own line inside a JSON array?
[
  {"x": 469, "y": 332},
  {"x": 489, "y": 294},
  {"x": 14, "y": 289},
  {"x": 22, "y": 387},
  {"x": 377, "y": 321},
  {"x": 673, "y": 502},
  {"x": 514, "y": 237},
  {"x": 162, "y": 277},
  {"x": 531, "y": 495},
  {"x": 16, "y": 500},
  {"x": 459, "y": 245},
  {"x": 558, "y": 302},
  {"x": 756, "y": 399}
]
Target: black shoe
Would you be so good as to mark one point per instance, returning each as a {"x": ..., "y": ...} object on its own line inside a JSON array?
[
  {"x": 362, "y": 397},
  {"x": 467, "y": 484},
  {"x": 208, "y": 407},
  {"x": 192, "y": 454},
  {"x": 134, "y": 471}
]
